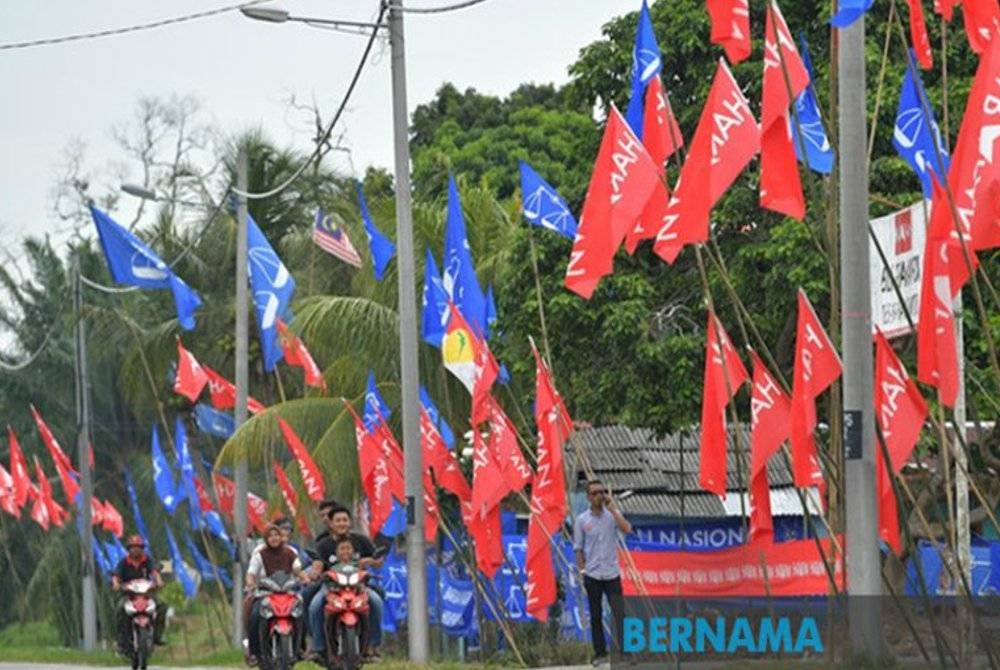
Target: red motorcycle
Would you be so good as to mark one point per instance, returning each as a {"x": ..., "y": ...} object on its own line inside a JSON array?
[
  {"x": 141, "y": 611},
  {"x": 281, "y": 611},
  {"x": 346, "y": 615}
]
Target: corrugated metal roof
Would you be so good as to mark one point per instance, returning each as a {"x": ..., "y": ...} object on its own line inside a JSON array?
[{"x": 784, "y": 502}]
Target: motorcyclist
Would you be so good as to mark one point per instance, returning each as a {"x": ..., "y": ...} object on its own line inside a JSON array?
[
  {"x": 272, "y": 557},
  {"x": 137, "y": 565}
]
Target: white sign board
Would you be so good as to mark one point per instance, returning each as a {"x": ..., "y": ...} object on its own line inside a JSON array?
[{"x": 902, "y": 236}]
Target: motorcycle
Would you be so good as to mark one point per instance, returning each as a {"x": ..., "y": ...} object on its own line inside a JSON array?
[
  {"x": 346, "y": 617},
  {"x": 281, "y": 610},
  {"x": 141, "y": 611}
]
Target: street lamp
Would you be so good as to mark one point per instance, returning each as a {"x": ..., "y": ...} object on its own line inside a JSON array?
[{"x": 415, "y": 553}]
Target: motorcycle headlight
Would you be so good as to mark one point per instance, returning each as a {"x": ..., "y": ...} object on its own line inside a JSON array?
[
  {"x": 265, "y": 610},
  {"x": 129, "y": 607},
  {"x": 338, "y": 603},
  {"x": 354, "y": 579}
]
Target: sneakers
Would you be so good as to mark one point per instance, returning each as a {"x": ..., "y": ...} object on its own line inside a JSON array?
[{"x": 599, "y": 661}]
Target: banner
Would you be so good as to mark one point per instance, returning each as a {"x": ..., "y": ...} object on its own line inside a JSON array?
[
  {"x": 793, "y": 569},
  {"x": 902, "y": 236},
  {"x": 708, "y": 536},
  {"x": 939, "y": 581}
]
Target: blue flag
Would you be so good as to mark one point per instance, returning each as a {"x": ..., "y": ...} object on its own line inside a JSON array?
[
  {"x": 543, "y": 206},
  {"x": 209, "y": 572},
  {"x": 163, "y": 477},
  {"x": 272, "y": 286},
  {"x": 140, "y": 524},
  {"x": 213, "y": 422},
  {"x": 491, "y": 306},
  {"x": 381, "y": 246},
  {"x": 436, "y": 418},
  {"x": 376, "y": 410},
  {"x": 849, "y": 11},
  {"x": 186, "y": 466},
  {"x": 179, "y": 569},
  {"x": 460, "y": 281},
  {"x": 214, "y": 525},
  {"x": 434, "y": 320},
  {"x": 396, "y": 523},
  {"x": 132, "y": 262},
  {"x": 646, "y": 64},
  {"x": 819, "y": 153},
  {"x": 101, "y": 560},
  {"x": 916, "y": 136}
]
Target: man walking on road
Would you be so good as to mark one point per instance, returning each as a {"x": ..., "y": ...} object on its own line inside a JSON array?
[{"x": 595, "y": 540}]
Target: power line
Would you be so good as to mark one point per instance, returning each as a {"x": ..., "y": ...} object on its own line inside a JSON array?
[
  {"x": 128, "y": 29},
  {"x": 15, "y": 367},
  {"x": 329, "y": 129},
  {"x": 437, "y": 10}
]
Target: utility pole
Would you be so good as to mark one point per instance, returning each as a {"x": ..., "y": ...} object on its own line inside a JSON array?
[
  {"x": 242, "y": 377},
  {"x": 83, "y": 462},
  {"x": 863, "y": 563},
  {"x": 416, "y": 615}
]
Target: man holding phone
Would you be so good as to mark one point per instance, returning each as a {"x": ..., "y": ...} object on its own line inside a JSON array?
[{"x": 595, "y": 540}]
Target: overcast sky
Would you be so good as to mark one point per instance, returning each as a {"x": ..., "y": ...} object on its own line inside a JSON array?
[{"x": 243, "y": 71}]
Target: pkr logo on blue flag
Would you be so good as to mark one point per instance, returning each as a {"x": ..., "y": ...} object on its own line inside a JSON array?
[
  {"x": 543, "y": 206},
  {"x": 646, "y": 64},
  {"x": 432, "y": 411},
  {"x": 434, "y": 320},
  {"x": 163, "y": 478},
  {"x": 916, "y": 135},
  {"x": 272, "y": 287},
  {"x": 807, "y": 123},
  {"x": 214, "y": 422},
  {"x": 376, "y": 410},
  {"x": 460, "y": 281}
]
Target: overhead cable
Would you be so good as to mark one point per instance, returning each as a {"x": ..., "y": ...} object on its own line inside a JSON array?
[{"x": 436, "y": 10}]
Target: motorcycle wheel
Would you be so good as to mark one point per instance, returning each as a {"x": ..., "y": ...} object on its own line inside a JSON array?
[
  {"x": 286, "y": 653},
  {"x": 350, "y": 650},
  {"x": 143, "y": 648}
]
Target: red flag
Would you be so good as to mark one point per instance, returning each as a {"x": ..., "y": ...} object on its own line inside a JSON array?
[
  {"x": 225, "y": 491},
  {"x": 54, "y": 512},
  {"x": 311, "y": 476},
  {"x": 553, "y": 421},
  {"x": 899, "y": 408},
  {"x": 296, "y": 354},
  {"x": 975, "y": 167},
  {"x": 937, "y": 355},
  {"x": 467, "y": 356},
  {"x": 224, "y": 393},
  {"x": 888, "y": 512},
  {"x": 817, "y": 365},
  {"x": 96, "y": 511},
  {"x": 780, "y": 183},
  {"x": 982, "y": 22},
  {"x": 7, "y": 503},
  {"x": 918, "y": 35},
  {"x": 724, "y": 374},
  {"x": 488, "y": 486},
  {"x": 112, "y": 520},
  {"x": 487, "y": 539},
  {"x": 257, "y": 512},
  {"x": 368, "y": 450},
  {"x": 540, "y": 585},
  {"x": 18, "y": 470},
  {"x": 64, "y": 467},
  {"x": 39, "y": 511},
  {"x": 430, "y": 510},
  {"x": 731, "y": 27},
  {"x": 204, "y": 501},
  {"x": 661, "y": 134},
  {"x": 438, "y": 456},
  {"x": 191, "y": 377},
  {"x": 946, "y": 8},
  {"x": 623, "y": 181},
  {"x": 291, "y": 498},
  {"x": 374, "y": 469},
  {"x": 770, "y": 407},
  {"x": 726, "y": 139},
  {"x": 514, "y": 470},
  {"x": 392, "y": 454}
]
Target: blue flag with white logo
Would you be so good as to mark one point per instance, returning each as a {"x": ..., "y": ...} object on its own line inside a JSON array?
[
  {"x": 460, "y": 281},
  {"x": 381, "y": 246},
  {"x": 132, "y": 262},
  {"x": 186, "y": 466},
  {"x": 272, "y": 285},
  {"x": 163, "y": 477},
  {"x": 646, "y": 64},
  {"x": 376, "y": 410},
  {"x": 436, "y": 418},
  {"x": 916, "y": 135},
  {"x": 808, "y": 122},
  {"x": 849, "y": 11},
  {"x": 208, "y": 571},
  {"x": 214, "y": 422},
  {"x": 543, "y": 206},
  {"x": 214, "y": 525},
  {"x": 140, "y": 524},
  {"x": 179, "y": 569},
  {"x": 434, "y": 320}
]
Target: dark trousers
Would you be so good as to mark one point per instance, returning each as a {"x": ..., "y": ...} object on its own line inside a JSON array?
[{"x": 612, "y": 589}]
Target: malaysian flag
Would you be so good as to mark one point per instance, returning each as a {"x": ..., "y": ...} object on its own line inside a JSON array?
[{"x": 333, "y": 239}]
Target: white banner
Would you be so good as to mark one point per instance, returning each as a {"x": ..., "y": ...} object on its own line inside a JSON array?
[{"x": 902, "y": 236}]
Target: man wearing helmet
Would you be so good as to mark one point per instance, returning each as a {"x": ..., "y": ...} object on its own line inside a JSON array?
[{"x": 137, "y": 565}]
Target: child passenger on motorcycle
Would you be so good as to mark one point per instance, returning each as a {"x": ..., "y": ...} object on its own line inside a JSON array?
[
  {"x": 273, "y": 557},
  {"x": 137, "y": 565}
]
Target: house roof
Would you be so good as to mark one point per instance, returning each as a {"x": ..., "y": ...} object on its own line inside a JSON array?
[{"x": 658, "y": 476}]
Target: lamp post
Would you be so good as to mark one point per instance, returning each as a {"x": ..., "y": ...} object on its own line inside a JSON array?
[{"x": 409, "y": 372}]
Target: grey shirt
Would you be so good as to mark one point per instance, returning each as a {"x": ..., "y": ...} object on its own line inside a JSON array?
[{"x": 596, "y": 535}]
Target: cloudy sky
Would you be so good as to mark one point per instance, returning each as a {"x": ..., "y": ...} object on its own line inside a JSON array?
[{"x": 242, "y": 72}]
